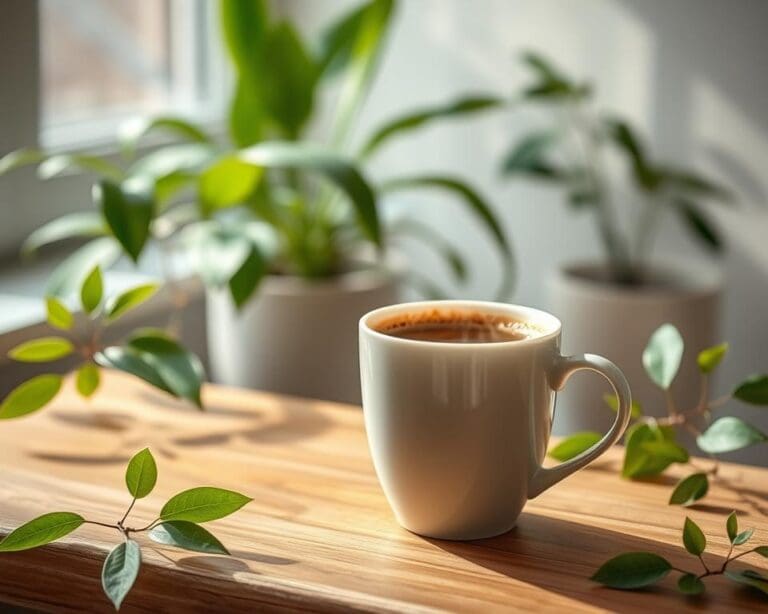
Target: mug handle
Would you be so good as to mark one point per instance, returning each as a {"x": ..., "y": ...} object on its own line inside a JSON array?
[{"x": 564, "y": 367}]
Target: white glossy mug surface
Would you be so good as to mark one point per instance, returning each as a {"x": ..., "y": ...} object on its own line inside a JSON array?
[{"x": 458, "y": 431}]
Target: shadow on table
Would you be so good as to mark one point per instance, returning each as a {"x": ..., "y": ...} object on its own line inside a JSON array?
[{"x": 560, "y": 556}]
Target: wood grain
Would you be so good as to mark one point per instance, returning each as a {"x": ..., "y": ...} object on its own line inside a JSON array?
[{"x": 319, "y": 534}]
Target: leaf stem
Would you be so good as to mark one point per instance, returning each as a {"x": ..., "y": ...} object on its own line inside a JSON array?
[
  {"x": 102, "y": 524},
  {"x": 128, "y": 511},
  {"x": 703, "y": 564},
  {"x": 719, "y": 402},
  {"x": 151, "y": 525}
]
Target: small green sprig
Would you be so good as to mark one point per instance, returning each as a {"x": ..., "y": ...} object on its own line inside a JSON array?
[
  {"x": 176, "y": 525},
  {"x": 635, "y": 570},
  {"x": 651, "y": 443},
  {"x": 148, "y": 354}
]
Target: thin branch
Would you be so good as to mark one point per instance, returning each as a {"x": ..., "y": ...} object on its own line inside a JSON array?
[
  {"x": 719, "y": 402},
  {"x": 151, "y": 525},
  {"x": 128, "y": 511},
  {"x": 102, "y": 524}
]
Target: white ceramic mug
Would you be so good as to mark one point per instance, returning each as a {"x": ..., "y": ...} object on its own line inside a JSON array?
[{"x": 458, "y": 431}]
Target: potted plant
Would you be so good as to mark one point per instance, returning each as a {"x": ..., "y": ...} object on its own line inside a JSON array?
[
  {"x": 269, "y": 210},
  {"x": 614, "y": 304}
]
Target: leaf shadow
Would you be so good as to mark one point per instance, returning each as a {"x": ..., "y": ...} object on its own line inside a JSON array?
[
  {"x": 212, "y": 563},
  {"x": 95, "y": 420},
  {"x": 262, "y": 558},
  {"x": 82, "y": 459}
]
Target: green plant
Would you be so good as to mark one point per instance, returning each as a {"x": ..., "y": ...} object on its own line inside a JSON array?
[
  {"x": 651, "y": 443},
  {"x": 270, "y": 200},
  {"x": 148, "y": 354},
  {"x": 573, "y": 155},
  {"x": 635, "y": 570},
  {"x": 177, "y": 524}
]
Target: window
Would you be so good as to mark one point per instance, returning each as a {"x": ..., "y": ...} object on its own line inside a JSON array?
[{"x": 104, "y": 60}]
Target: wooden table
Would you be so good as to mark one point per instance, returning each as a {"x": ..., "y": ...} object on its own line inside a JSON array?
[{"x": 319, "y": 534}]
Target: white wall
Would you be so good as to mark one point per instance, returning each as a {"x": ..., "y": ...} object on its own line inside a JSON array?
[{"x": 690, "y": 73}]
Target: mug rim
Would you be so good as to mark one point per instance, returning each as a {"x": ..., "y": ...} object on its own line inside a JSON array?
[{"x": 552, "y": 324}]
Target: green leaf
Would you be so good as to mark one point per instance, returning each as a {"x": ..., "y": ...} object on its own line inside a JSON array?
[
  {"x": 130, "y": 299},
  {"x": 666, "y": 450},
  {"x": 187, "y": 535},
  {"x": 732, "y": 526},
  {"x": 19, "y": 158},
  {"x": 128, "y": 210},
  {"x": 133, "y": 362},
  {"x": 203, "y": 504},
  {"x": 613, "y": 403},
  {"x": 622, "y": 134},
  {"x": 762, "y": 551},
  {"x": 710, "y": 358},
  {"x": 217, "y": 250},
  {"x": 529, "y": 156},
  {"x": 92, "y": 290},
  {"x": 307, "y": 157},
  {"x": 60, "y": 163},
  {"x": 57, "y": 313},
  {"x": 551, "y": 82},
  {"x": 72, "y": 225},
  {"x": 749, "y": 577},
  {"x": 693, "y": 538},
  {"x": 728, "y": 434},
  {"x": 43, "y": 349},
  {"x": 663, "y": 354},
  {"x": 246, "y": 279},
  {"x": 690, "y": 584},
  {"x": 642, "y": 459},
  {"x": 246, "y": 114},
  {"x": 743, "y": 537},
  {"x": 699, "y": 224},
  {"x": 88, "y": 379},
  {"x": 227, "y": 182},
  {"x": 417, "y": 119},
  {"x": 30, "y": 396},
  {"x": 120, "y": 570},
  {"x": 689, "y": 182},
  {"x": 690, "y": 489},
  {"x": 141, "y": 474},
  {"x": 753, "y": 390},
  {"x": 632, "y": 570},
  {"x": 575, "y": 444},
  {"x": 426, "y": 235},
  {"x": 288, "y": 83},
  {"x": 186, "y": 159},
  {"x": 69, "y": 275},
  {"x": 40, "y": 531},
  {"x": 131, "y": 132},
  {"x": 179, "y": 369}
]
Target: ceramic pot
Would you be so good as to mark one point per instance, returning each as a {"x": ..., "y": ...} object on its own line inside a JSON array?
[
  {"x": 616, "y": 322},
  {"x": 297, "y": 337}
]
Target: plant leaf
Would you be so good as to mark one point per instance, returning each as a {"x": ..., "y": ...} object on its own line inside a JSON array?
[
  {"x": 228, "y": 182},
  {"x": 186, "y": 159},
  {"x": 529, "y": 156},
  {"x": 641, "y": 459},
  {"x": 30, "y": 396},
  {"x": 762, "y": 551},
  {"x": 57, "y": 314},
  {"x": 247, "y": 278},
  {"x": 417, "y": 119},
  {"x": 693, "y": 538},
  {"x": 141, "y": 474},
  {"x": 663, "y": 354},
  {"x": 428, "y": 236},
  {"x": 727, "y": 434},
  {"x": 753, "y": 390},
  {"x": 130, "y": 299},
  {"x": 40, "y": 531},
  {"x": 43, "y": 349},
  {"x": 217, "y": 250},
  {"x": 632, "y": 570},
  {"x": 749, "y": 577},
  {"x": 575, "y": 444},
  {"x": 743, "y": 537},
  {"x": 128, "y": 210},
  {"x": 203, "y": 504},
  {"x": 92, "y": 290},
  {"x": 690, "y": 489},
  {"x": 690, "y": 584},
  {"x": 134, "y": 362},
  {"x": 613, "y": 403},
  {"x": 246, "y": 113},
  {"x": 732, "y": 526},
  {"x": 343, "y": 173},
  {"x": 180, "y": 370},
  {"x": 69, "y": 275},
  {"x": 59, "y": 163},
  {"x": 88, "y": 379},
  {"x": 699, "y": 225},
  {"x": 667, "y": 450},
  {"x": 622, "y": 134},
  {"x": 689, "y": 182},
  {"x": 19, "y": 158},
  {"x": 120, "y": 570},
  {"x": 187, "y": 535},
  {"x": 71, "y": 225},
  {"x": 709, "y": 358},
  {"x": 131, "y": 132}
]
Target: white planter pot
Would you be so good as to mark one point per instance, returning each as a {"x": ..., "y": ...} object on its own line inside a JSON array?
[
  {"x": 616, "y": 321},
  {"x": 296, "y": 337}
]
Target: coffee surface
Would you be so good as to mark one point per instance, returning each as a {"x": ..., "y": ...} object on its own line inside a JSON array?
[{"x": 457, "y": 327}]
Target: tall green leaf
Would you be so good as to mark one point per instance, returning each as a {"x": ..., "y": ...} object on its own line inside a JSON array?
[
  {"x": 247, "y": 278},
  {"x": 203, "y": 504},
  {"x": 229, "y": 181},
  {"x": 662, "y": 355},
  {"x": 624, "y": 136},
  {"x": 342, "y": 172},
  {"x": 529, "y": 157},
  {"x": 40, "y": 531},
  {"x": 141, "y": 474},
  {"x": 693, "y": 537},
  {"x": 132, "y": 131},
  {"x": 699, "y": 225},
  {"x": 92, "y": 290},
  {"x": 120, "y": 571},
  {"x": 417, "y": 119},
  {"x": 72, "y": 225},
  {"x": 30, "y": 396},
  {"x": 128, "y": 210}
]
